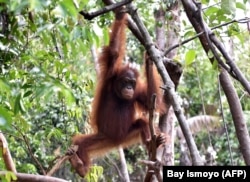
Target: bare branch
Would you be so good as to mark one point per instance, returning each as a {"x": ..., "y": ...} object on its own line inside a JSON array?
[
  {"x": 22, "y": 177},
  {"x": 30, "y": 150},
  {"x": 71, "y": 152},
  {"x": 60, "y": 161},
  {"x": 131, "y": 25},
  {"x": 234, "y": 70},
  {"x": 242, "y": 20},
  {"x": 182, "y": 43},
  {"x": 124, "y": 169},
  {"x": 91, "y": 15},
  {"x": 207, "y": 33}
]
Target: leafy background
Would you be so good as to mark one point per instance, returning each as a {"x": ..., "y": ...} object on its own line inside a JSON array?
[{"x": 47, "y": 79}]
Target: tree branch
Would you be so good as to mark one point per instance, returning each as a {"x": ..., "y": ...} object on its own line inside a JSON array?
[
  {"x": 152, "y": 169},
  {"x": 30, "y": 150},
  {"x": 169, "y": 87},
  {"x": 131, "y": 24},
  {"x": 242, "y": 20},
  {"x": 8, "y": 161},
  {"x": 209, "y": 40},
  {"x": 111, "y": 7},
  {"x": 71, "y": 152},
  {"x": 207, "y": 33},
  {"x": 22, "y": 177},
  {"x": 60, "y": 161}
]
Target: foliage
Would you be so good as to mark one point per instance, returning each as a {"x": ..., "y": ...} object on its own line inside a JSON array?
[
  {"x": 8, "y": 177},
  {"x": 94, "y": 174},
  {"x": 47, "y": 79},
  {"x": 47, "y": 76}
]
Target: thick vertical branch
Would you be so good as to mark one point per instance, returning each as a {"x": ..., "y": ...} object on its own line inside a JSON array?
[
  {"x": 152, "y": 170},
  {"x": 167, "y": 36},
  {"x": 237, "y": 115},
  {"x": 124, "y": 170},
  {"x": 160, "y": 28}
]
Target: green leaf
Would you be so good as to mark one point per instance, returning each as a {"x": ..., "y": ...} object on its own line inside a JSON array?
[
  {"x": 68, "y": 8},
  {"x": 94, "y": 173},
  {"x": 13, "y": 176},
  {"x": 10, "y": 176},
  {"x": 190, "y": 56},
  {"x": 5, "y": 117},
  {"x": 28, "y": 93},
  {"x": 65, "y": 92},
  {"x": 35, "y": 5},
  {"x": 63, "y": 31},
  {"x": 211, "y": 10},
  {"x": 215, "y": 65},
  {"x": 228, "y": 7},
  {"x": 106, "y": 36},
  {"x": 4, "y": 86},
  {"x": 241, "y": 6},
  {"x": 41, "y": 90},
  {"x": 96, "y": 39},
  {"x": 18, "y": 6},
  {"x": 54, "y": 132},
  {"x": 19, "y": 106}
]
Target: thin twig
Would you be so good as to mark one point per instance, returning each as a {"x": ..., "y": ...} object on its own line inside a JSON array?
[
  {"x": 234, "y": 71},
  {"x": 242, "y": 20},
  {"x": 32, "y": 155},
  {"x": 60, "y": 161},
  {"x": 182, "y": 43},
  {"x": 73, "y": 149},
  {"x": 30, "y": 150}
]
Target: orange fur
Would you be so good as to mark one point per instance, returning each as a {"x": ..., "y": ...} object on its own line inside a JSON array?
[{"x": 116, "y": 122}]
